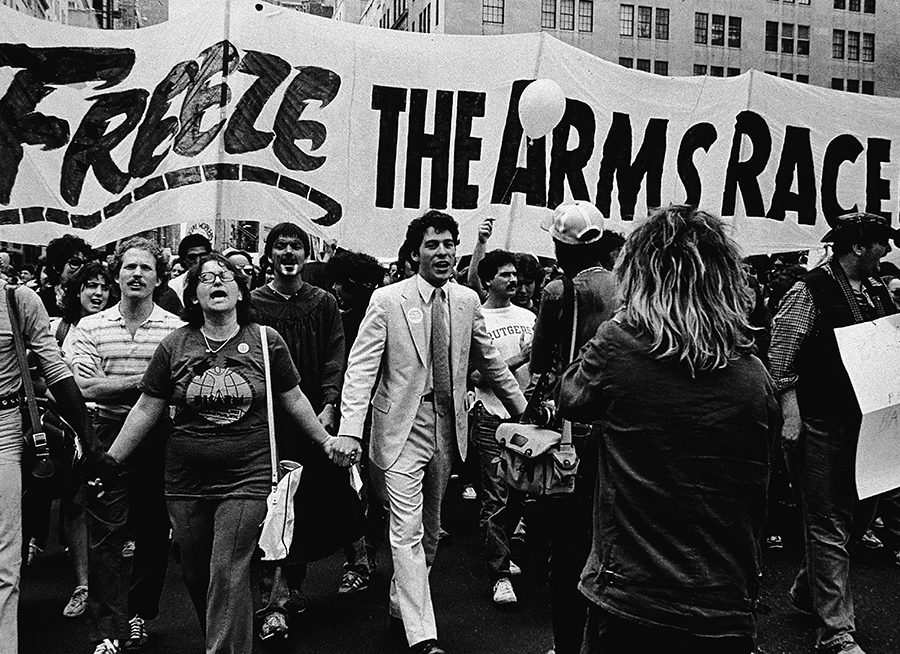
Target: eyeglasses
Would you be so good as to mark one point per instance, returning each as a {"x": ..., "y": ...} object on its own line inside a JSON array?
[
  {"x": 247, "y": 270},
  {"x": 75, "y": 262},
  {"x": 210, "y": 277}
]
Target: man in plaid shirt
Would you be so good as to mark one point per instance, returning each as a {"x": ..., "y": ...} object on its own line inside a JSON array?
[{"x": 822, "y": 417}]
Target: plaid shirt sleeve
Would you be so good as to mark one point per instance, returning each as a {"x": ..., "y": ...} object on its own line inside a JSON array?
[{"x": 796, "y": 318}]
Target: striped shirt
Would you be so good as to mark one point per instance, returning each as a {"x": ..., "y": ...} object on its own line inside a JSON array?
[{"x": 103, "y": 341}]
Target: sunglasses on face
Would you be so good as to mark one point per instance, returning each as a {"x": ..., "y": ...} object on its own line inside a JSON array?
[
  {"x": 247, "y": 270},
  {"x": 210, "y": 277},
  {"x": 75, "y": 262}
]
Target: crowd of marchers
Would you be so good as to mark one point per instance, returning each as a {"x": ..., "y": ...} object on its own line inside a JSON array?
[{"x": 702, "y": 391}]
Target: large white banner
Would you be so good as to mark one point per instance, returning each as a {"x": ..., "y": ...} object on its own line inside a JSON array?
[{"x": 244, "y": 110}]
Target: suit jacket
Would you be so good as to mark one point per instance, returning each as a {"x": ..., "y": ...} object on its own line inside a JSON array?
[{"x": 393, "y": 340}]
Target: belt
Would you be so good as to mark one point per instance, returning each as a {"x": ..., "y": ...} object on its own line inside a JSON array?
[
  {"x": 428, "y": 397},
  {"x": 10, "y": 401}
]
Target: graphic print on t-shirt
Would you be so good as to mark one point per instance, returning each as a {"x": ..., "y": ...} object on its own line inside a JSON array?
[{"x": 221, "y": 395}]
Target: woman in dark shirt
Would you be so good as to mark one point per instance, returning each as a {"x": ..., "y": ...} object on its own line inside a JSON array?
[
  {"x": 218, "y": 465},
  {"x": 688, "y": 415}
]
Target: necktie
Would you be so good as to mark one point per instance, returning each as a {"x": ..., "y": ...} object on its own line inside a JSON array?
[{"x": 440, "y": 354}]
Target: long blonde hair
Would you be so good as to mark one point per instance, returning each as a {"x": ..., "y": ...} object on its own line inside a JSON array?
[{"x": 681, "y": 280}]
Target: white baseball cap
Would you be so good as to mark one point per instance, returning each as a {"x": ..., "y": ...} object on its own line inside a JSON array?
[{"x": 577, "y": 223}]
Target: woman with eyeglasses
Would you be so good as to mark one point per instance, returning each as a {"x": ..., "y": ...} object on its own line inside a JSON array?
[
  {"x": 65, "y": 257},
  {"x": 218, "y": 469}
]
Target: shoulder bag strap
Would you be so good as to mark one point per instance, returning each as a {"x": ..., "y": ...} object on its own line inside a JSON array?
[
  {"x": 43, "y": 465},
  {"x": 270, "y": 410},
  {"x": 572, "y": 293}
]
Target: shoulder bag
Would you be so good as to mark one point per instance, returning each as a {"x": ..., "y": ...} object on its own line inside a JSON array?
[
  {"x": 278, "y": 527},
  {"x": 51, "y": 454},
  {"x": 534, "y": 459}
]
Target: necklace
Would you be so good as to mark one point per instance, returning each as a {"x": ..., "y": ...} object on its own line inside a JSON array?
[{"x": 210, "y": 349}]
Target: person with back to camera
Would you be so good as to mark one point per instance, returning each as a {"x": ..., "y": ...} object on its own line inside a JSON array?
[{"x": 688, "y": 419}]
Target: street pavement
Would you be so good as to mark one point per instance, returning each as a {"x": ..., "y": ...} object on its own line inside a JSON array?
[{"x": 468, "y": 623}]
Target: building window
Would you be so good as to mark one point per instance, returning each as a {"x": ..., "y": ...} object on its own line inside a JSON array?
[
  {"x": 733, "y": 72},
  {"x": 734, "y": 31},
  {"x": 661, "y": 68},
  {"x": 803, "y": 40},
  {"x": 771, "y": 36},
  {"x": 868, "y": 8},
  {"x": 717, "y": 36},
  {"x": 853, "y": 46},
  {"x": 548, "y": 14},
  {"x": 853, "y": 5},
  {"x": 627, "y": 62},
  {"x": 853, "y": 85},
  {"x": 803, "y": 79},
  {"x": 837, "y": 46},
  {"x": 699, "y": 69},
  {"x": 787, "y": 38},
  {"x": 717, "y": 71},
  {"x": 701, "y": 28},
  {"x": 803, "y": 2},
  {"x": 644, "y": 65},
  {"x": 840, "y": 4},
  {"x": 586, "y": 16},
  {"x": 662, "y": 24},
  {"x": 837, "y": 83},
  {"x": 567, "y": 14},
  {"x": 787, "y": 76},
  {"x": 868, "y": 47},
  {"x": 645, "y": 20},
  {"x": 626, "y": 20},
  {"x": 868, "y": 87},
  {"x": 492, "y": 11}
]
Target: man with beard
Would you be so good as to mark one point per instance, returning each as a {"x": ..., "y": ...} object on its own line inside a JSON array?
[
  {"x": 309, "y": 321},
  {"x": 822, "y": 416},
  {"x": 111, "y": 351},
  {"x": 511, "y": 329}
]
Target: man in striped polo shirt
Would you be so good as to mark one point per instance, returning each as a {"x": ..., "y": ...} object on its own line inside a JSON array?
[{"x": 111, "y": 351}]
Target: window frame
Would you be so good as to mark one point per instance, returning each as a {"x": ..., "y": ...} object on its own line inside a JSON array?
[
  {"x": 735, "y": 26},
  {"x": 838, "y": 39},
  {"x": 490, "y": 9},
  {"x": 585, "y": 19},
  {"x": 548, "y": 14},
  {"x": 701, "y": 27},
  {"x": 772, "y": 33},
  {"x": 717, "y": 30},
  {"x": 662, "y": 24},
  {"x": 567, "y": 15},
  {"x": 644, "y": 24},
  {"x": 626, "y": 20}
]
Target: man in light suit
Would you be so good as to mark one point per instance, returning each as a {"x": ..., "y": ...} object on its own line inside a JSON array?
[{"x": 418, "y": 405}]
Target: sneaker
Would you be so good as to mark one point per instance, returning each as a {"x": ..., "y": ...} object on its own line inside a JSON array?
[
  {"x": 296, "y": 602},
  {"x": 871, "y": 541},
  {"x": 469, "y": 493},
  {"x": 878, "y": 523},
  {"x": 274, "y": 627},
  {"x": 354, "y": 580},
  {"x": 514, "y": 570},
  {"x": 33, "y": 551},
  {"x": 128, "y": 550},
  {"x": 77, "y": 603},
  {"x": 844, "y": 647},
  {"x": 137, "y": 634},
  {"x": 504, "y": 593},
  {"x": 107, "y": 646},
  {"x": 774, "y": 542}
]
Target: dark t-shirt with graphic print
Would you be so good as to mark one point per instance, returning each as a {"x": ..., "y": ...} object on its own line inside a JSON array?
[{"x": 219, "y": 445}]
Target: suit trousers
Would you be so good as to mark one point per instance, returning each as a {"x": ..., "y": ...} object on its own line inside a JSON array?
[{"x": 415, "y": 485}]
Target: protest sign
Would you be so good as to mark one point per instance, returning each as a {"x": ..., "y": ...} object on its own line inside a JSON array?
[
  {"x": 871, "y": 354},
  {"x": 247, "y": 111}
]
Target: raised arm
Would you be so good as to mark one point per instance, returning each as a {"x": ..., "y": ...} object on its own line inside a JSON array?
[{"x": 472, "y": 279}]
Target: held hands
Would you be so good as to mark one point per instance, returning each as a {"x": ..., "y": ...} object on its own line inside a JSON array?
[{"x": 343, "y": 450}]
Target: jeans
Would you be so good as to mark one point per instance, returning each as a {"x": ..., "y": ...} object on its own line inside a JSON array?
[
  {"x": 10, "y": 527},
  {"x": 218, "y": 539},
  {"x": 834, "y": 521},
  {"x": 569, "y": 521},
  {"x": 119, "y": 589},
  {"x": 501, "y": 507},
  {"x": 609, "y": 634}
]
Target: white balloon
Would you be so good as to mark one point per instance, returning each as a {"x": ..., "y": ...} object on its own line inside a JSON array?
[{"x": 541, "y": 107}]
